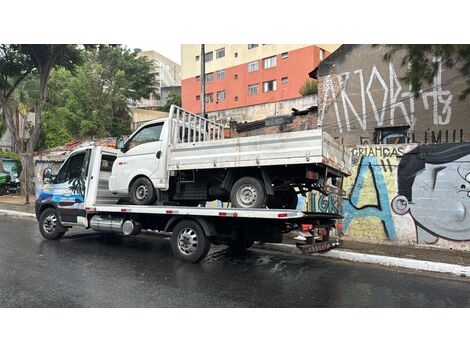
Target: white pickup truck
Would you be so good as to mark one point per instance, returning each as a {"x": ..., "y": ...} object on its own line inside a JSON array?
[{"x": 185, "y": 160}]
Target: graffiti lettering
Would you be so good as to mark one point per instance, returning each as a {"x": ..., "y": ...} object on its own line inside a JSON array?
[{"x": 385, "y": 98}]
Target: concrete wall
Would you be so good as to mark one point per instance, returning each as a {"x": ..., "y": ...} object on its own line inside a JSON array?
[
  {"x": 261, "y": 111},
  {"x": 410, "y": 193},
  {"x": 359, "y": 92}
]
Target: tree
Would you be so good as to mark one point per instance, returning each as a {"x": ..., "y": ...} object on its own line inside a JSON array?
[
  {"x": 16, "y": 63},
  {"x": 173, "y": 99},
  {"x": 309, "y": 87},
  {"x": 93, "y": 100},
  {"x": 422, "y": 64}
]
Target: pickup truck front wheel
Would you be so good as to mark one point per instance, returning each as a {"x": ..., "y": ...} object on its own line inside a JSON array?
[
  {"x": 248, "y": 192},
  {"x": 142, "y": 192}
]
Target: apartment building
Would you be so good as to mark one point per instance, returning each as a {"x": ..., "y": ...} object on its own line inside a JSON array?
[
  {"x": 239, "y": 75},
  {"x": 168, "y": 74}
]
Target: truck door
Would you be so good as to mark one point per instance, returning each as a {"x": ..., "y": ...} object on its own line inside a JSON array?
[
  {"x": 140, "y": 156},
  {"x": 70, "y": 186}
]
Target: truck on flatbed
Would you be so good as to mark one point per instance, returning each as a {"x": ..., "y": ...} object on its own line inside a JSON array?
[
  {"x": 186, "y": 160},
  {"x": 79, "y": 195}
]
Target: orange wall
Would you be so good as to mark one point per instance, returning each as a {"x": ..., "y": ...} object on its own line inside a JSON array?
[{"x": 296, "y": 67}]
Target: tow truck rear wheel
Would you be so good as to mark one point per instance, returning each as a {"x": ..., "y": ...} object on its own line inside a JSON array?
[
  {"x": 50, "y": 226},
  {"x": 189, "y": 242},
  {"x": 142, "y": 192}
]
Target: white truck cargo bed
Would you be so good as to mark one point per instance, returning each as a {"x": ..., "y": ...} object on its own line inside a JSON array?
[{"x": 300, "y": 147}]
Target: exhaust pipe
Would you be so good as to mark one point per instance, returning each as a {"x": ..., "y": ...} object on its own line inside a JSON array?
[{"x": 115, "y": 224}]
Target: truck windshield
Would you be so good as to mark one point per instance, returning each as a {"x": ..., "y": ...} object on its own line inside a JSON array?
[
  {"x": 147, "y": 134},
  {"x": 73, "y": 168}
]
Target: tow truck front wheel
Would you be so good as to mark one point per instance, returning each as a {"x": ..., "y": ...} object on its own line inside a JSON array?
[
  {"x": 50, "y": 226},
  {"x": 188, "y": 241},
  {"x": 142, "y": 192}
]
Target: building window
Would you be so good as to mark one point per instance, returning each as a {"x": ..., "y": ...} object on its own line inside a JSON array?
[
  {"x": 251, "y": 46},
  {"x": 269, "y": 62},
  {"x": 235, "y": 54},
  {"x": 269, "y": 86},
  {"x": 198, "y": 97},
  {"x": 220, "y": 53},
  {"x": 322, "y": 54},
  {"x": 209, "y": 56},
  {"x": 221, "y": 95},
  {"x": 284, "y": 80},
  {"x": 235, "y": 76},
  {"x": 209, "y": 97},
  {"x": 197, "y": 57},
  {"x": 221, "y": 74},
  {"x": 198, "y": 78},
  {"x": 253, "y": 89},
  {"x": 236, "y": 98},
  {"x": 285, "y": 55},
  {"x": 392, "y": 135},
  {"x": 253, "y": 66},
  {"x": 209, "y": 77}
]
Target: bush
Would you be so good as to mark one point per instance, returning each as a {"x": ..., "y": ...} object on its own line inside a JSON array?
[{"x": 309, "y": 87}]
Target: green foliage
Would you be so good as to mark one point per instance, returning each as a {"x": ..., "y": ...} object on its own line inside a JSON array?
[
  {"x": 173, "y": 99},
  {"x": 92, "y": 101},
  {"x": 309, "y": 87},
  {"x": 6, "y": 154},
  {"x": 422, "y": 66}
]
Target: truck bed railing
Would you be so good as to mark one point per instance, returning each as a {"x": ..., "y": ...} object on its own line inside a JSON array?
[{"x": 186, "y": 127}]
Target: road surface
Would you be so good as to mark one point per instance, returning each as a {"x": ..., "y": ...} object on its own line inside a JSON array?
[{"x": 87, "y": 269}]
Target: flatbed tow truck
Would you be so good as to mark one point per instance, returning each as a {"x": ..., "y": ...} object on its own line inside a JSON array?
[{"x": 78, "y": 196}]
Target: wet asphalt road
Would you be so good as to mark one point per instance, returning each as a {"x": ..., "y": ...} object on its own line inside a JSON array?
[{"x": 86, "y": 269}]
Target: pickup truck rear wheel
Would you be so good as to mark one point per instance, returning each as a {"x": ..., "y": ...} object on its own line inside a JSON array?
[
  {"x": 50, "y": 226},
  {"x": 248, "y": 192},
  {"x": 142, "y": 192},
  {"x": 189, "y": 242}
]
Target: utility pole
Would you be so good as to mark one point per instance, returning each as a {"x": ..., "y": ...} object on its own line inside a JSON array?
[{"x": 203, "y": 81}]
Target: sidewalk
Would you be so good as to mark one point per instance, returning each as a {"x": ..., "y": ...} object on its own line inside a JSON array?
[{"x": 16, "y": 204}]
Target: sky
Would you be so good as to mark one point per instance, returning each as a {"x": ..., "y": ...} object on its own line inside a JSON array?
[{"x": 171, "y": 51}]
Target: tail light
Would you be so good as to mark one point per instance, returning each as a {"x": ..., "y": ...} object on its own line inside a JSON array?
[
  {"x": 339, "y": 225},
  {"x": 306, "y": 227}
]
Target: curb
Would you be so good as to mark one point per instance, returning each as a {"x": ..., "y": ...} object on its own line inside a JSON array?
[
  {"x": 357, "y": 257},
  {"x": 17, "y": 214}
]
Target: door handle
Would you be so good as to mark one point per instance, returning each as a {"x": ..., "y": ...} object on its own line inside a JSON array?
[{"x": 159, "y": 154}]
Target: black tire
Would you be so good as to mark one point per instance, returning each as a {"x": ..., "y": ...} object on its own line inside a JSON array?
[
  {"x": 240, "y": 245},
  {"x": 182, "y": 241},
  {"x": 142, "y": 192},
  {"x": 284, "y": 200},
  {"x": 50, "y": 226},
  {"x": 255, "y": 196}
]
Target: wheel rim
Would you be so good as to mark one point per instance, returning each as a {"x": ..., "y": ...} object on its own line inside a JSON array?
[
  {"x": 247, "y": 196},
  {"x": 187, "y": 241},
  {"x": 141, "y": 192},
  {"x": 50, "y": 223}
]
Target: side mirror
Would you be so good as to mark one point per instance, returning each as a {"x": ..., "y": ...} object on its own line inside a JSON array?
[
  {"x": 120, "y": 143},
  {"x": 47, "y": 175}
]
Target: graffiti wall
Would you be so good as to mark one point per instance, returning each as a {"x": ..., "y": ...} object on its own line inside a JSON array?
[
  {"x": 410, "y": 193},
  {"x": 360, "y": 92}
]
